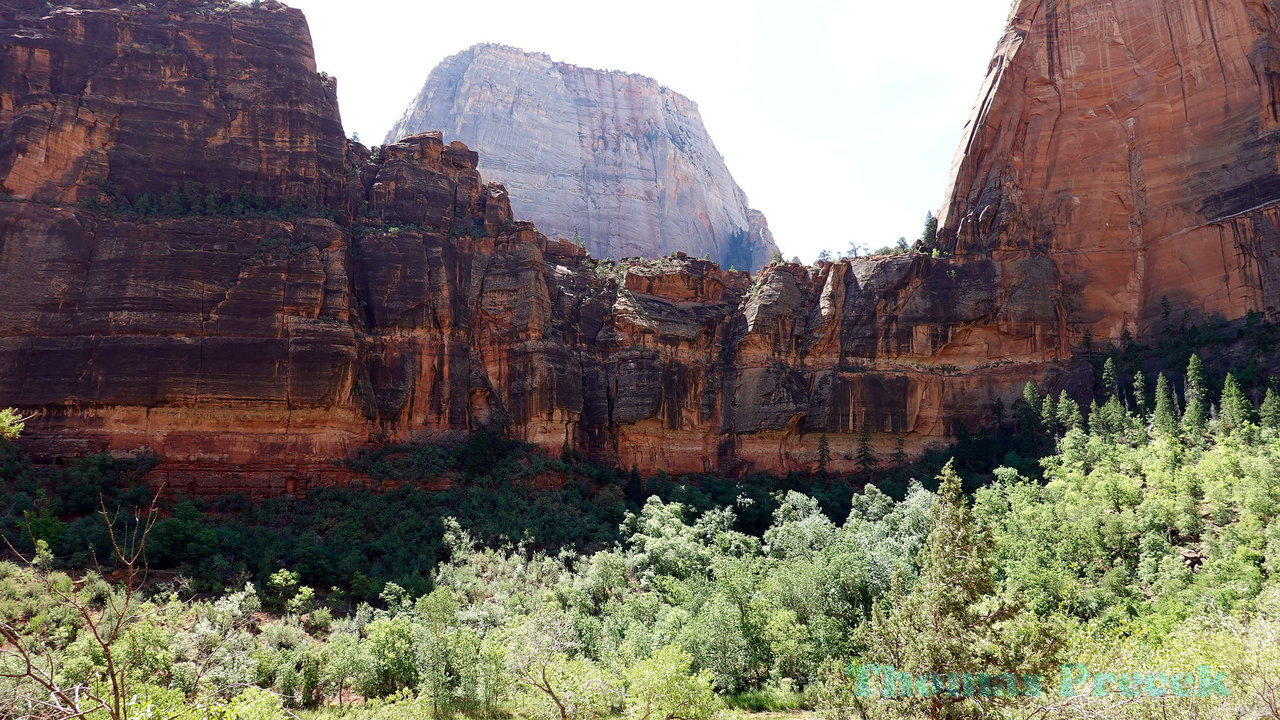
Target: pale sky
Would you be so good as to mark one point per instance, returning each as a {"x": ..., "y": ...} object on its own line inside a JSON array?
[{"x": 838, "y": 118}]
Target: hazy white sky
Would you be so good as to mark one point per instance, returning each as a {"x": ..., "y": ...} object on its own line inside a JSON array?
[{"x": 839, "y": 118}]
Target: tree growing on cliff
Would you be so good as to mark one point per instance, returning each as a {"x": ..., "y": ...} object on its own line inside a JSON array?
[
  {"x": 866, "y": 458},
  {"x": 930, "y": 234},
  {"x": 824, "y": 454},
  {"x": 899, "y": 449},
  {"x": 11, "y": 423}
]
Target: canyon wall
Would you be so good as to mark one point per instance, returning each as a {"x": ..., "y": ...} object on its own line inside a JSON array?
[
  {"x": 194, "y": 261},
  {"x": 1135, "y": 145},
  {"x": 609, "y": 158}
]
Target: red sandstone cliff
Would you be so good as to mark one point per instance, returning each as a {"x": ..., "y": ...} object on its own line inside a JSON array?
[
  {"x": 1133, "y": 145},
  {"x": 389, "y": 295}
]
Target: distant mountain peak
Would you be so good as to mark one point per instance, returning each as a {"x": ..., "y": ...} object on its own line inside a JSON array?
[{"x": 609, "y": 158}]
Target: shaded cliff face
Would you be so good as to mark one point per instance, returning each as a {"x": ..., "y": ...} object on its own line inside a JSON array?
[
  {"x": 1135, "y": 145},
  {"x": 609, "y": 157}
]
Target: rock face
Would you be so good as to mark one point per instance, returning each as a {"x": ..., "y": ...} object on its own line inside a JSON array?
[
  {"x": 151, "y": 101},
  {"x": 611, "y": 158},
  {"x": 194, "y": 261},
  {"x": 1134, "y": 145}
]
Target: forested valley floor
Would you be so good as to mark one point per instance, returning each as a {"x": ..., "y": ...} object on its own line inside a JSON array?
[{"x": 1110, "y": 561}]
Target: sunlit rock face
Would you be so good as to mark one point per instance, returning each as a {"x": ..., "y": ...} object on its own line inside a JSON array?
[
  {"x": 1134, "y": 145},
  {"x": 609, "y": 158}
]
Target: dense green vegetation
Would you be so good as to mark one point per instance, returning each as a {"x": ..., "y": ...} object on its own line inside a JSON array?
[
  {"x": 1139, "y": 552},
  {"x": 194, "y": 199}
]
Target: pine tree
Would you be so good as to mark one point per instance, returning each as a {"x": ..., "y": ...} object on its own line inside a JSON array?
[
  {"x": 1271, "y": 410},
  {"x": 1069, "y": 417},
  {"x": 1112, "y": 418},
  {"x": 866, "y": 459},
  {"x": 1140, "y": 392},
  {"x": 930, "y": 233},
  {"x": 900, "y": 449},
  {"x": 997, "y": 412},
  {"x": 1237, "y": 410},
  {"x": 824, "y": 454},
  {"x": 1110, "y": 386},
  {"x": 1197, "y": 394},
  {"x": 1164, "y": 417},
  {"x": 1028, "y": 411},
  {"x": 1096, "y": 426},
  {"x": 951, "y": 621},
  {"x": 1049, "y": 414}
]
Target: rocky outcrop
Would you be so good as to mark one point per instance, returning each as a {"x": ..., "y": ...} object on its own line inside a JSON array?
[
  {"x": 151, "y": 100},
  {"x": 1133, "y": 145},
  {"x": 201, "y": 266},
  {"x": 610, "y": 158}
]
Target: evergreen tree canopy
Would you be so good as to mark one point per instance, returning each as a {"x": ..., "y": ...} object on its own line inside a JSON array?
[
  {"x": 1237, "y": 410},
  {"x": 1164, "y": 417},
  {"x": 1197, "y": 395}
]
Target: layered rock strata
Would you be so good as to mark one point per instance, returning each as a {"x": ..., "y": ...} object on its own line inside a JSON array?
[
  {"x": 612, "y": 159},
  {"x": 194, "y": 262},
  {"x": 1135, "y": 146}
]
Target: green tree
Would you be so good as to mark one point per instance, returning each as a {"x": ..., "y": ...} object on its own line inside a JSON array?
[
  {"x": 345, "y": 665},
  {"x": 824, "y": 454},
  {"x": 664, "y": 687},
  {"x": 930, "y": 234},
  {"x": 799, "y": 527},
  {"x": 555, "y": 683},
  {"x": 1110, "y": 382},
  {"x": 953, "y": 620},
  {"x": 1164, "y": 417},
  {"x": 900, "y": 457},
  {"x": 390, "y": 644},
  {"x": 1049, "y": 414},
  {"x": 865, "y": 457},
  {"x": 1069, "y": 417},
  {"x": 302, "y": 601},
  {"x": 1140, "y": 392},
  {"x": 1237, "y": 411},
  {"x": 1197, "y": 398},
  {"x": 11, "y": 423},
  {"x": 1028, "y": 411},
  {"x": 1271, "y": 410},
  {"x": 446, "y": 651},
  {"x": 282, "y": 585}
]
